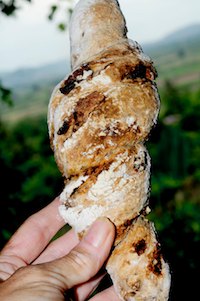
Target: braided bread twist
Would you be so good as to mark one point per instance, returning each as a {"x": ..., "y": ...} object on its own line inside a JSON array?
[{"x": 99, "y": 119}]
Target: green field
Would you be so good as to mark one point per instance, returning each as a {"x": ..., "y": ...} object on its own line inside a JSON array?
[{"x": 178, "y": 62}]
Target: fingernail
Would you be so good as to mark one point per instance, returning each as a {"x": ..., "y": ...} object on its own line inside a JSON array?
[{"x": 99, "y": 231}]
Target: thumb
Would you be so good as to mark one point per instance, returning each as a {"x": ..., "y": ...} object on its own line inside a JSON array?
[{"x": 86, "y": 259}]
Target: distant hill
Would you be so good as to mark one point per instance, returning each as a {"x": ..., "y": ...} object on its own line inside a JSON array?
[
  {"x": 176, "y": 57},
  {"x": 51, "y": 73},
  {"x": 183, "y": 42},
  {"x": 185, "y": 34}
]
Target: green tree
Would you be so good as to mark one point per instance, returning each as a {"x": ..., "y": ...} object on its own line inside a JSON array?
[
  {"x": 5, "y": 95},
  {"x": 8, "y": 8},
  {"x": 175, "y": 201},
  {"x": 29, "y": 176}
]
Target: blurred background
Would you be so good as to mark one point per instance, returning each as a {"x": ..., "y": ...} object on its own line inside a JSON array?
[{"x": 34, "y": 57}]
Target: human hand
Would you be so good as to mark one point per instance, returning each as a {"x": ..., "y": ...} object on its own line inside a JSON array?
[{"x": 32, "y": 269}]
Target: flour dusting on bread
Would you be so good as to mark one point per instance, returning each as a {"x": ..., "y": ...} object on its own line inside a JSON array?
[{"x": 100, "y": 117}]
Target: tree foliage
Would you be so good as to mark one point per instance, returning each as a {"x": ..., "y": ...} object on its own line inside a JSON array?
[
  {"x": 28, "y": 175},
  {"x": 175, "y": 152},
  {"x": 8, "y": 8},
  {"x": 5, "y": 95}
]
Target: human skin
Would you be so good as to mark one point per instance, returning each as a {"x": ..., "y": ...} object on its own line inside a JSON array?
[{"x": 32, "y": 269}]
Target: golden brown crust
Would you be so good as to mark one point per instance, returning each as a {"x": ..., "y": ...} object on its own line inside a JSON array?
[
  {"x": 107, "y": 112},
  {"x": 129, "y": 91},
  {"x": 137, "y": 267},
  {"x": 100, "y": 117}
]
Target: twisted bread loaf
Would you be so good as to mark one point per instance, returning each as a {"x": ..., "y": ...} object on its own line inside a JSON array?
[{"x": 99, "y": 118}]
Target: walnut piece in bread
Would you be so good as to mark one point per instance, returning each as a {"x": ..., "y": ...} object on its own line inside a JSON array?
[{"x": 99, "y": 119}]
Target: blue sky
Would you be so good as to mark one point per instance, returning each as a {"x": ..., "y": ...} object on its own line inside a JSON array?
[{"x": 29, "y": 39}]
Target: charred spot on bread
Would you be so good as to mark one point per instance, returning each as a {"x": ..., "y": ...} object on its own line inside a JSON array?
[
  {"x": 68, "y": 86},
  {"x": 96, "y": 170},
  {"x": 138, "y": 71},
  {"x": 140, "y": 163},
  {"x": 145, "y": 158},
  {"x": 76, "y": 77},
  {"x": 80, "y": 71},
  {"x": 155, "y": 264},
  {"x": 140, "y": 247},
  {"x": 84, "y": 107},
  {"x": 64, "y": 128},
  {"x": 74, "y": 191},
  {"x": 121, "y": 229}
]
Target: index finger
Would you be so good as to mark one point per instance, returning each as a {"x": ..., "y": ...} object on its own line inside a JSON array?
[{"x": 34, "y": 234}]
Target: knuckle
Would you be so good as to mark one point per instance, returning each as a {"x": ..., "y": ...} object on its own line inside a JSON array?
[
  {"x": 31, "y": 271},
  {"x": 22, "y": 270},
  {"x": 81, "y": 259}
]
